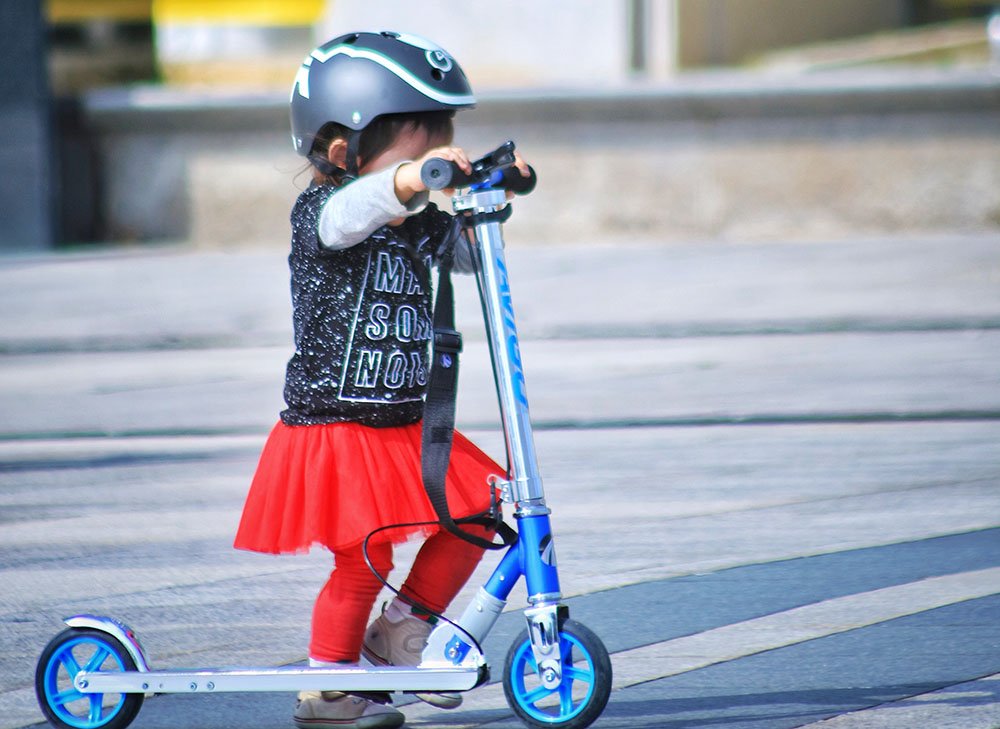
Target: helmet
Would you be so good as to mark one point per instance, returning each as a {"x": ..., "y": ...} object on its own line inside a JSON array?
[{"x": 356, "y": 77}]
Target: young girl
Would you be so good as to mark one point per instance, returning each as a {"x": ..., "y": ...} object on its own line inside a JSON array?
[{"x": 367, "y": 110}]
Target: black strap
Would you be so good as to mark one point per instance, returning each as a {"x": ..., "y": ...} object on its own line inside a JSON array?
[
  {"x": 341, "y": 176},
  {"x": 470, "y": 220},
  {"x": 351, "y": 161},
  {"x": 439, "y": 407},
  {"x": 325, "y": 166}
]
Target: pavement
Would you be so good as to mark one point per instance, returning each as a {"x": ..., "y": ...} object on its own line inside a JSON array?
[{"x": 773, "y": 468}]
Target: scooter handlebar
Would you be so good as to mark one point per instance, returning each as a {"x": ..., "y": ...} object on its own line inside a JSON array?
[{"x": 438, "y": 174}]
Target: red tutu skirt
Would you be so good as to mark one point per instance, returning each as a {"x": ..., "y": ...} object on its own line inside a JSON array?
[{"x": 334, "y": 484}]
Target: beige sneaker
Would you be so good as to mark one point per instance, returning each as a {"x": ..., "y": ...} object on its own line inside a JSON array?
[
  {"x": 343, "y": 711},
  {"x": 400, "y": 643}
]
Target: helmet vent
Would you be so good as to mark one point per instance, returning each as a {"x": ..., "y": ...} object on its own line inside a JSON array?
[
  {"x": 351, "y": 39},
  {"x": 436, "y": 73}
]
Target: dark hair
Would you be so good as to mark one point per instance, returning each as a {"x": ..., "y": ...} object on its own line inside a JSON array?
[{"x": 378, "y": 137}]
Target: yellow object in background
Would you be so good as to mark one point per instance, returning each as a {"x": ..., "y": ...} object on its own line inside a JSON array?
[
  {"x": 236, "y": 43},
  {"x": 249, "y": 12},
  {"x": 78, "y": 11}
]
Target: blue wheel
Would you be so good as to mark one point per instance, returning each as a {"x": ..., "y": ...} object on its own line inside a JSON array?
[
  {"x": 580, "y": 696},
  {"x": 72, "y": 651}
]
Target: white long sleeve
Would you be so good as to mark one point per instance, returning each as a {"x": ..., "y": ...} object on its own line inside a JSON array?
[{"x": 362, "y": 207}]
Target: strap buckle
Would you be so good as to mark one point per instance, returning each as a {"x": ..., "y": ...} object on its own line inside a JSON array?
[
  {"x": 448, "y": 341},
  {"x": 471, "y": 220}
]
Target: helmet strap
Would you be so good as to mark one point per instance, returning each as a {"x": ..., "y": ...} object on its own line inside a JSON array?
[
  {"x": 353, "y": 145},
  {"x": 322, "y": 163},
  {"x": 325, "y": 166}
]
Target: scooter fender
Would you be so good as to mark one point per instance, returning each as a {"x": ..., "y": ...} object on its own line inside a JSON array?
[{"x": 117, "y": 630}]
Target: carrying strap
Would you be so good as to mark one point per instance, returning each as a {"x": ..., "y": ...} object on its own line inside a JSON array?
[{"x": 439, "y": 407}]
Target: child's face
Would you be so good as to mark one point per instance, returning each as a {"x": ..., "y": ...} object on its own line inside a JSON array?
[{"x": 411, "y": 144}]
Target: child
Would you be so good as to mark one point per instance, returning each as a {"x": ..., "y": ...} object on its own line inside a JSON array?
[{"x": 344, "y": 460}]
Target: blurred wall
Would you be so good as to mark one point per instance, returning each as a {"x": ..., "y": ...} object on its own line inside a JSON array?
[
  {"x": 515, "y": 43},
  {"x": 724, "y": 32},
  {"x": 730, "y": 156},
  {"x": 726, "y": 158},
  {"x": 26, "y": 188},
  {"x": 594, "y": 42}
]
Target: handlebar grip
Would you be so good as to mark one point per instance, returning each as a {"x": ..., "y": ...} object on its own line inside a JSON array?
[
  {"x": 438, "y": 174},
  {"x": 517, "y": 183}
]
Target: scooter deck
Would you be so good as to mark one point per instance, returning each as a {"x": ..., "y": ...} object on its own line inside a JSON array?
[{"x": 388, "y": 678}]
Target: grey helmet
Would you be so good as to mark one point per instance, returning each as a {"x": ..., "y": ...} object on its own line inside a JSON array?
[{"x": 357, "y": 77}]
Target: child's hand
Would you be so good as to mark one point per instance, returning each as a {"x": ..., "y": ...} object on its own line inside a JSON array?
[
  {"x": 522, "y": 166},
  {"x": 408, "y": 182}
]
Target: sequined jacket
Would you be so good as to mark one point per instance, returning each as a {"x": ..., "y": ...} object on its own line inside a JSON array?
[{"x": 361, "y": 318}]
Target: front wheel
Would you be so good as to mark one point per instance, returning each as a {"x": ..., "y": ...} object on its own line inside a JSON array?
[
  {"x": 72, "y": 651},
  {"x": 583, "y": 691}
]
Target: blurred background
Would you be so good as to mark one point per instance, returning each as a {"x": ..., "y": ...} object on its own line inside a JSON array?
[
  {"x": 758, "y": 295},
  {"x": 131, "y": 121}
]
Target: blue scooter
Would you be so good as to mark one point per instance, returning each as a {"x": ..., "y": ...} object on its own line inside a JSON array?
[{"x": 557, "y": 674}]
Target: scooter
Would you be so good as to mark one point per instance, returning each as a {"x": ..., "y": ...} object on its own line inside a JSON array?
[{"x": 557, "y": 673}]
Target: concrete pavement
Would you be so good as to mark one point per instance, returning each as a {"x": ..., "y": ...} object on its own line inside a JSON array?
[{"x": 702, "y": 408}]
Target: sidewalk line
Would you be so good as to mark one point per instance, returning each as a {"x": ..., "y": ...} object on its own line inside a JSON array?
[
  {"x": 255, "y": 434},
  {"x": 798, "y": 625},
  {"x": 757, "y": 635},
  {"x": 969, "y": 705}
]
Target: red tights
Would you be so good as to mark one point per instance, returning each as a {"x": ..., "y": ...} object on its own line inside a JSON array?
[{"x": 442, "y": 566}]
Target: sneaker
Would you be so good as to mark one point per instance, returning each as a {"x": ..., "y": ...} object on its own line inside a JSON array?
[
  {"x": 400, "y": 643},
  {"x": 338, "y": 710}
]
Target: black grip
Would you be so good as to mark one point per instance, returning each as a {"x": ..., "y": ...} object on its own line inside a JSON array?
[
  {"x": 438, "y": 174},
  {"x": 517, "y": 183}
]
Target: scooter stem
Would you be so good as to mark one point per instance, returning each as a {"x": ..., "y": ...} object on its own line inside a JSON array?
[
  {"x": 525, "y": 485},
  {"x": 534, "y": 553}
]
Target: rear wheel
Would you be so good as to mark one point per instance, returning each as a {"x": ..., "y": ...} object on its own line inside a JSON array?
[
  {"x": 582, "y": 692},
  {"x": 83, "y": 649}
]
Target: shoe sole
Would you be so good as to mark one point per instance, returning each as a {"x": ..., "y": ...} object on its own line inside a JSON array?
[
  {"x": 441, "y": 701},
  {"x": 362, "y": 722},
  {"x": 437, "y": 700}
]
